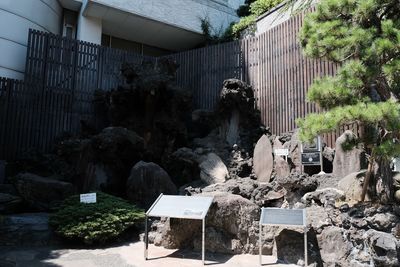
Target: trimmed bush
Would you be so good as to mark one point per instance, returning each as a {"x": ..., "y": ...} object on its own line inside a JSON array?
[{"x": 95, "y": 223}]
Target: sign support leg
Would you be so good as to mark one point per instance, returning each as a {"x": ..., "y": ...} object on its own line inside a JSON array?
[
  {"x": 260, "y": 244},
  {"x": 305, "y": 248},
  {"x": 146, "y": 238},
  {"x": 203, "y": 240}
]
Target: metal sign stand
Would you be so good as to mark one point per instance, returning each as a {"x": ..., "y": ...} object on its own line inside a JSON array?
[
  {"x": 180, "y": 207},
  {"x": 286, "y": 217}
]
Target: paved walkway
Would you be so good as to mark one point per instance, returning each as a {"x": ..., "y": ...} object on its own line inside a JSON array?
[{"x": 129, "y": 255}]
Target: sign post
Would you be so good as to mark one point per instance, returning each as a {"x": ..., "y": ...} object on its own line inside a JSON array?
[
  {"x": 181, "y": 207},
  {"x": 286, "y": 217},
  {"x": 311, "y": 154}
]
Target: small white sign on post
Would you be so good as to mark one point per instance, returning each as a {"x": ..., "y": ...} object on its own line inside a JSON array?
[
  {"x": 283, "y": 217},
  {"x": 282, "y": 152},
  {"x": 88, "y": 198}
]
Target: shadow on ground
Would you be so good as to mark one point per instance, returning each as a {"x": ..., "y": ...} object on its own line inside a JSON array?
[{"x": 210, "y": 258}]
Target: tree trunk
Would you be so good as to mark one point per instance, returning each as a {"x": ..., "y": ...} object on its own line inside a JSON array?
[
  {"x": 367, "y": 178},
  {"x": 385, "y": 175}
]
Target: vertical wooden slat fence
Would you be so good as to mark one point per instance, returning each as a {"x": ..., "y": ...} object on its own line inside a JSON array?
[
  {"x": 272, "y": 63},
  {"x": 61, "y": 76}
]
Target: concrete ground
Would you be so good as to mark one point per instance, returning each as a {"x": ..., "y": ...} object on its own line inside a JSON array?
[{"x": 129, "y": 255}]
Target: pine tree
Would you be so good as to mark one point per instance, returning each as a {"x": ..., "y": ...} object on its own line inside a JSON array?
[{"x": 364, "y": 37}]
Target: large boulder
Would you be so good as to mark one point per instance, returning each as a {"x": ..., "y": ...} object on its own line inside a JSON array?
[
  {"x": 294, "y": 147},
  {"x": 297, "y": 185},
  {"x": 26, "y": 229},
  {"x": 231, "y": 227},
  {"x": 347, "y": 160},
  {"x": 183, "y": 166},
  {"x": 282, "y": 168},
  {"x": 146, "y": 182},
  {"x": 40, "y": 192},
  {"x": 384, "y": 248},
  {"x": 289, "y": 245},
  {"x": 239, "y": 120},
  {"x": 326, "y": 197},
  {"x": 9, "y": 203},
  {"x": 263, "y": 161},
  {"x": 213, "y": 169},
  {"x": 352, "y": 185},
  {"x": 334, "y": 248},
  {"x": 244, "y": 187}
]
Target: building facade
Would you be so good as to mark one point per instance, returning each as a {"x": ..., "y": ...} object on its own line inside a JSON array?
[{"x": 151, "y": 27}]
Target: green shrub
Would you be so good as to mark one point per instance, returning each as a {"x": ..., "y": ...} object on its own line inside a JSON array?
[
  {"x": 95, "y": 223},
  {"x": 256, "y": 9},
  {"x": 243, "y": 24}
]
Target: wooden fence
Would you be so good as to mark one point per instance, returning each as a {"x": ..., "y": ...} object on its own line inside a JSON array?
[
  {"x": 272, "y": 63},
  {"x": 62, "y": 75}
]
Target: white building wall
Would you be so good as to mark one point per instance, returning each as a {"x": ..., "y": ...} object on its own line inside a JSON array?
[
  {"x": 89, "y": 29},
  {"x": 16, "y": 17},
  {"x": 186, "y": 14}
]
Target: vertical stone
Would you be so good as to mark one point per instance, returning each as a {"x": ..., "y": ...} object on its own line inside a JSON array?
[
  {"x": 263, "y": 161},
  {"x": 346, "y": 161}
]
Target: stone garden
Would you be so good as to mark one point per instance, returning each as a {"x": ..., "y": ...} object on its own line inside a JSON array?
[{"x": 226, "y": 153}]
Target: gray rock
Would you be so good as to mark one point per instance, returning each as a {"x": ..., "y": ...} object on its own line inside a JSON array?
[
  {"x": 8, "y": 189},
  {"x": 277, "y": 144},
  {"x": 146, "y": 182},
  {"x": 294, "y": 146},
  {"x": 40, "y": 192},
  {"x": 327, "y": 197},
  {"x": 213, "y": 169},
  {"x": 384, "y": 248},
  {"x": 347, "y": 161},
  {"x": 263, "y": 161},
  {"x": 318, "y": 218},
  {"x": 282, "y": 168},
  {"x": 290, "y": 247},
  {"x": 27, "y": 229},
  {"x": 397, "y": 195},
  {"x": 232, "y": 224},
  {"x": 244, "y": 187},
  {"x": 352, "y": 185},
  {"x": 269, "y": 195},
  {"x": 183, "y": 166},
  {"x": 297, "y": 185},
  {"x": 333, "y": 246},
  {"x": 9, "y": 203},
  {"x": 328, "y": 153},
  {"x": 383, "y": 221}
]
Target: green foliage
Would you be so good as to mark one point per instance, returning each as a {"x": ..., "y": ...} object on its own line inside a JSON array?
[
  {"x": 363, "y": 36},
  {"x": 215, "y": 36},
  {"x": 259, "y": 7},
  {"x": 95, "y": 222},
  {"x": 243, "y": 24},
  {"x": 255, "y": 9}
]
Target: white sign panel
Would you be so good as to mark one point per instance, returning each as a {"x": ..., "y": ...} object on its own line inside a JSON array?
[
  {"x": 277, "y": 216},
  {"x": 281, "y": 152},
  {"x": 88, "y": 198},
  {"x": 185, "y": 207}
]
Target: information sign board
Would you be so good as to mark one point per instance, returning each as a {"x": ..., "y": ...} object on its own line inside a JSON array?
[
  {"x": 277, "y": 216},
  {"x": 88, "y": 198},
  {"x": 311, "y": 158},
  {"x": 182, "y": 207},
  {"x": 284, "y": 217}
]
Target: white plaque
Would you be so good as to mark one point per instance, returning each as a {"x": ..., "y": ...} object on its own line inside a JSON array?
[
  {"x": 88, "y": 198},
  {"x": 277, "y": 216},
  {"x": 184, "y": 207},
  {"x": 281, "y": 152}
]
